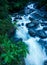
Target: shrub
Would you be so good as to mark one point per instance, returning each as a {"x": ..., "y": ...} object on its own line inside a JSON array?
[
  {"x": 6, "y": 26},
  {"x": 3, "y": 9},
  {"x": 11, "y": 51}
]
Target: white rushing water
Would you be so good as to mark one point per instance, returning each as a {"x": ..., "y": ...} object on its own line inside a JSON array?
[{"x": 36, "y": 54}]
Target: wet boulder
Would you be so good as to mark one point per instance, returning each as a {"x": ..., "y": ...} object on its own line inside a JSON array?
[
  {"x": 28, "y": 10},
  {"x": 22, "y": 24},
  {"x": 17, "y": 17},
  {"x": 31, "y": 19},
  {"x": 36, "y": 16},
  {"x": 17, "y": 39},
  {"x": 46, "y": 45},
  {"x": 45, "y": 28},
  {"x": 32, "y": 32},
  {"x": 30, "y": 25},
  {"x": 41, "y": 34},
  {"x": 33, "y": 23},
  {"x": 42, "y": 42},
  {"x": 44, "y": 23},
  {"x": 46, "y": 48},
  {"x": 45, "y": 62}
]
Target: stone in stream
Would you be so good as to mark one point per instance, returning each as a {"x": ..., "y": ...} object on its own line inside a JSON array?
[
  {"x": 45, "y": 28},
  {"x": 17, "y": 39},
  {"x": 41, "y": 13},
  {"x": 33, "y": 23},
  {"x": 36, "y": 16},
  {"x": 42, "y": 42},
  {"x": 32, "y": 32},
  {"x": 45, "y": 62},
  {"x": 46, "y": 51},
  {"x": 22, "y": 24},
  {"x": 46, "y": 45},
  {"x": 41, "y": 34},
  {"x": 17, "y": 17},
  {"x": 28, "y": 10},
  {"x": 44, "y": 23},
  {"x": 31, "y": 19}
]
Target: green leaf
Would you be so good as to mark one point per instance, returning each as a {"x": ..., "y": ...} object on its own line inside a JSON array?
[{"x": 6, "y": 59}]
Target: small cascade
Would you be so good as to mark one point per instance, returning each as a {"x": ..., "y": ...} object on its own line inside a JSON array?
[{"x": 36, "y": 54}]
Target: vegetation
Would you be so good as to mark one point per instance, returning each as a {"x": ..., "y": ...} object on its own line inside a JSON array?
[{"x": 9, "y": 50}]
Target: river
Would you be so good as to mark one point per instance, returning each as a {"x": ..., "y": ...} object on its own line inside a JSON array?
[{"x": 37, "y": 54}]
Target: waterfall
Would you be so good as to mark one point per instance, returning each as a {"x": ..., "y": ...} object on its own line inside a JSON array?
[{"x": 36, "y": 54}]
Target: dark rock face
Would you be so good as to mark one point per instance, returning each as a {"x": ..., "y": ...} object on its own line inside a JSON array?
[
  {"x": 45, "y": 28},
  {"x": 17, "y": 39},
  {"x": 17, "y": 17},
  {"x": 32, "y": 32},
  {"x": 33, "y": 23},
  {"x": 31, "y": 19},
  {"x": 22, "y": 24},
  {"x": 45, "y": 62},
  {"x": 42, "y": 42},
  {"x": 41, "y": 34},
  {"x": 44, "y": 23},
  {"x": 11, "y": 32},
  {"x": 46, "y": 45},
  {"x": 28, "y": 10},
  {"x": 36, "y": 16},
  {"x": 30, "y": 25}
]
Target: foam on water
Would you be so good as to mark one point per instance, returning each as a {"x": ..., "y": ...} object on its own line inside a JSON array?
[{"x": 36, "y": 55}]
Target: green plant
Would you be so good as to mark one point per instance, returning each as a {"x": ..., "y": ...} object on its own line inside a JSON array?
[
  {"x": 6, "y": 26},
  {"x": 10, "y": 50},
  {"x": 3, "y": 9}
]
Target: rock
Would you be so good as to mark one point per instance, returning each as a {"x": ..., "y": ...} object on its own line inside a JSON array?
[
  {"x": 31, "y": 19},
  {"x": 35, "y": 5},
  {"x": 17, "y": 39},
  {"x": 44, "y": 23},
  {"x": 41, "y": 13},
  {"x": 18, "y": 25},
  {"x": 45, "y": 62},
  {"x": 17, "y": 17},
  {"x": 46, "y": 51},
  {"x": 42, "y": 43},
  {"x": 22, "y": 24},
  {"x": 36, "y": 16},
  {"x": 14, "y": 14},
  {"x": 45, "y": 28},
  {"x": 32, "y": 32},
  {"x": 11, "y": 32},
  {"x": 46, "y": 45},
  {"x": 41, "y": 34},
  {"x": 43, "y": 8},
  {"x": 33, "y": 23},
  {"x": 28, "y": 10},
  {"x": 30, "y": 25}
]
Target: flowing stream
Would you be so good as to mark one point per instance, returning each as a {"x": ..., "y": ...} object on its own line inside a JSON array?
[{"x": 36, "y": 54}]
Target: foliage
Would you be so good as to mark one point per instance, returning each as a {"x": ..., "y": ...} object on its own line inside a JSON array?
[
  {"x": 10, "y": 6},
  {"x": 3, "y": 9},
  {"x": 10, "y": 50},
  {"x": 6, "y": 26},
  {"x": 42, "y": 3},
  {"x": 16, "y": 5}
]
